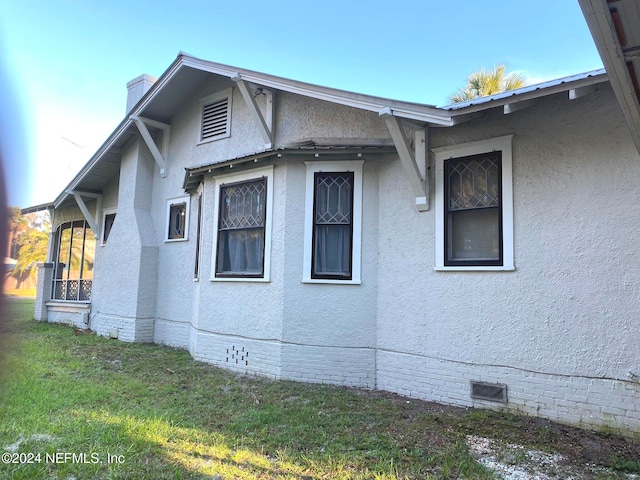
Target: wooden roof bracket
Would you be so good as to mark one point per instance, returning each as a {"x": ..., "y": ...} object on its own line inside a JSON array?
[
  {"x": 160, "y": 158},
  {"x": 265, "y": 125},
  {"x": 576, "y": 93},
  {"x": 93, "y": 223},
  {"x": 519, "y": 105},
  {"x": 414, "y": 160}
]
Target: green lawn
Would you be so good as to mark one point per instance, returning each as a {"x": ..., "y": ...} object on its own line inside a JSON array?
[{"x": 85, "y": 407}]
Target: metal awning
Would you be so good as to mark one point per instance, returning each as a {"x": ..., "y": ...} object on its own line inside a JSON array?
[{"x": 319, "y": 147}]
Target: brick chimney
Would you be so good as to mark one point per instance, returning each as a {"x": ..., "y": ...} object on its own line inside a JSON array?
[{"x": 137, "y": 88}]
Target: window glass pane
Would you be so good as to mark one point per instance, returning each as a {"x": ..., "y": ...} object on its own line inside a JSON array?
[
  {"x": 332, "y": 255},
  {"x": 333, "y": 199},
  {"x": 63, "y": 252},
  {"x": 108, "y": 224},
  {"x": 475, "y": 235},
  {"x": 474, "y": 183},
  {"x": 241, "y": 251},
  {"x": 177, "y": 219},
  {"x": 89, "y": 254},
  {"x": 243, "y": 205},
  {"x": 75, "y": 263}
]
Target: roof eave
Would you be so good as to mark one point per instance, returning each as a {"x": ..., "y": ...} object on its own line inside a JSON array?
[{"x": 603, "y": 31}]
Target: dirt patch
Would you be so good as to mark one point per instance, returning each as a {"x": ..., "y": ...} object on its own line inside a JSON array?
[{"x": 516, "y": 446}]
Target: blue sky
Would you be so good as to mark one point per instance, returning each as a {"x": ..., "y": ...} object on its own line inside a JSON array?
[{"x": 68, "y": 61}]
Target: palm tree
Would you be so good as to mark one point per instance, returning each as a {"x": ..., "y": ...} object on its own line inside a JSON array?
[
  {"x": 33, "y": 250},
  {"x": 483, "y": 83}
]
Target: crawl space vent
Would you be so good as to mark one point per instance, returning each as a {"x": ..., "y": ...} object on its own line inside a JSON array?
[
  {"x": 493, "y": 392},
  {"x": 238, "y": 355}
]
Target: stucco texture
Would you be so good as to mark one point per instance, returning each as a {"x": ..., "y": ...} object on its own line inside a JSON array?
[{"x": 571, "y": 305}]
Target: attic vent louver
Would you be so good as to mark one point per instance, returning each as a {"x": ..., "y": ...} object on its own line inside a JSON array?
[
  {"x": 493, "y": 392},
  {"x": 215, "y": 120}
]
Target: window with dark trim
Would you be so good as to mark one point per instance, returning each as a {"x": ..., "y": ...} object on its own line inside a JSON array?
[
  {"x": 473, "y": 210},
  {"x": 241, "y": 229},
  {"x": 177, "y": 220},
  {"x": 332, "y": 234}
]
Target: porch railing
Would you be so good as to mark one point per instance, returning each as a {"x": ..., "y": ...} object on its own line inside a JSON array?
[{"x": 72, "y": 290}]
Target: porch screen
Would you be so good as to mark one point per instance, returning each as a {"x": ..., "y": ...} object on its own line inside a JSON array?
[{"x": 75, "y": 253}]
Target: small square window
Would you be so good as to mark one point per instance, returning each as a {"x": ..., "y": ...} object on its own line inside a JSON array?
[{"x": 177, "y": 219}]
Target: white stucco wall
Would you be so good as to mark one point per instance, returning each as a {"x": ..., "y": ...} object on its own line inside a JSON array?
[
  {"x": 125, "y": 285},
  {"x": 561, "y": 330}
]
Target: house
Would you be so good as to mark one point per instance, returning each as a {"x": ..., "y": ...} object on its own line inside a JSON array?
[{"x": 482, "y": 254}]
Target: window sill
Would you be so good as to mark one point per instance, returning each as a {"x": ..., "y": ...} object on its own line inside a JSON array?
[
  {"x": 334, "y": 282},
  {"x": 69, "y": 304},
  {"x": 475, "y": 269},
  {"x": 213, "y": 139},
  {"x": 240, "y": 279},
  {"x": 173, "y": 240}
]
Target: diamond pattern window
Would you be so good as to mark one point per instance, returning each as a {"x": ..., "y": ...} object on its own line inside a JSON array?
[
  {"x": 474, "y": 223},
  {"x": 241, "y": 229},
  {"x": 332, "y": 226},
  {"x": 474, "y": 206}
]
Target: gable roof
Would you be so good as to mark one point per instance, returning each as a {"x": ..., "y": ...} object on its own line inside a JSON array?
[{"x": 175, "y": 85}]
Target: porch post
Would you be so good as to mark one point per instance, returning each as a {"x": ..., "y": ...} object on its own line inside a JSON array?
[{"x": 43, "y": 290}]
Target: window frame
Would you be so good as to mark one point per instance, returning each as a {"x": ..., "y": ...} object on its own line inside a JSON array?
[
  {"x": 199, "y": 224},
  {"x": 105, "y": 213},
  {"x": 208, "y": 100},
  {"x": 171, "y": 202},
  {"x": 461, "y": 151},
  {"x": 354, "y": 167},
  {"x": 238, "y": 178}
]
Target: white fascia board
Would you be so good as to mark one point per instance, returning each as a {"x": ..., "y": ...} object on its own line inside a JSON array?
[
  {"x": 422, "y": 113},
  {"x": 526, "y": 96}
]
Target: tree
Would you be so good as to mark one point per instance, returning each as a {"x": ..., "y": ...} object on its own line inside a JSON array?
[
  {"x": 32, "y": 236},
  {"x": 483, "y": 83},
  {"x": 18, "y": 225}
]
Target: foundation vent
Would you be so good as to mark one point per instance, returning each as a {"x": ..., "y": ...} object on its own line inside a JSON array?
[
  {"x": 492, "y": 392},
  {"x": 238, "y": 356}
]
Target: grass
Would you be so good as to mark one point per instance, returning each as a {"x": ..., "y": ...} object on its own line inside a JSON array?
[
  {"x": 22, "y": 292},
  {"x": 147, "y": 411}
]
